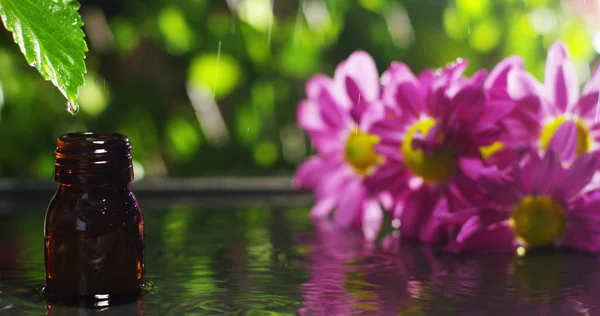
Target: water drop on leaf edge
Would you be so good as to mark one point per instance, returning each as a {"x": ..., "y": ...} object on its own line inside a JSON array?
[{"x": 72, "y": 108}]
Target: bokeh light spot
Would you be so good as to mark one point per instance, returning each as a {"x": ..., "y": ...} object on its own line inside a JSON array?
[
  {"x": 455, "y": 24},
  {"x": 266, "y": 153},
  {"x": 183, "y": 137},
  {"x": 218, "y": 74},
  {"x": 257, "y": 13},
  {"x": 474, "y": 8},
  {"x": 94, "y": 96},
  {"x": 175, "y": 29},
  {"x": 577, "y": 38},
  {"x": 485, "y": 36},
  {"x": 373, "y": 5}
]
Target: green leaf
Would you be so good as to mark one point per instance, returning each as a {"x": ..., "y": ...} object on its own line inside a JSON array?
[{"x": 51, "y": 39}]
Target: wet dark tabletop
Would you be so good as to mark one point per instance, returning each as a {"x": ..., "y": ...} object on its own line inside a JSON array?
[{"x": 234, "y": 257}]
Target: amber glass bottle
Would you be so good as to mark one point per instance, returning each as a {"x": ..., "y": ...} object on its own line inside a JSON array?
[{"x": 94, "y": 229}]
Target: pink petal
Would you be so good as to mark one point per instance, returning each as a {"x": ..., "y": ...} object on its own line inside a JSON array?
[
  {"x": 519, "y": 131},
  {"x": 332, "y": 113},
  {"x": 432, "y": 229},
  {"x": 483, "y": 135},
  {"x": 388, "y": 131},
  {"x": 389, "y": 152},
  {"x": 309, "y": 117},
  {"x": 564, "y": 141},
  {"x": 498, "y": 77},
  {"x": 503, "y": 158},
  {"x": 523, "y": 172},
  {"x": 577, "y": 176},
  {"x": 524, "y": 122},
  {"x": 410, "y": 99},
  {"x": 401, "y": 88},
  {"x": 497, "y": 238},
  {"x": 588, "y": 106},
  {"x": 437, "y": 103},
  {"x": 369, "y": 115},
  {"x": 328, "y": 142},
  {"x": 469, "y": 103},
  {"x": 386, "y": 198},
  {"x": 431, "y": 140},
  {"x": 522, "y": 85},
  {"x": 350, "y": 203},
  {"x": 316, "y": 84},
  {"x": 480, "y": 222},
  {"x": 371, "y": 219},
  {"x": 398, "y": 72},
  {"x": 471, "y": 166},
  {"x": 498, "y": 187},
  {"x": 354, "y": 92},
  {"x": 425, "y": 77},
  {"x": 477, "y": 78},
  {"x": 560, "y": 78},
  {"x": 496, "y": 111},
  {"x": 415, "y": 211},
  {"x": 583, "y": 223},
  {"x": 322, "y": 208},
  {"x": 545, "y": 173},
  {"x": 392, "y": 177},
  {"x": 337, "y": 178},
  {"x": 459, "y": 217},
  {"x": 455, "y": 69},
  {"x": 593, "y": 84},
  {"x": 310, "y": 172},
  {"x": 361, "y": 68}
]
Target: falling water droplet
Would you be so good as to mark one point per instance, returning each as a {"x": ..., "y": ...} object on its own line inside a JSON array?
[
  {"x": 72, "y": 108},
  {"x": 271, "y": 21}
]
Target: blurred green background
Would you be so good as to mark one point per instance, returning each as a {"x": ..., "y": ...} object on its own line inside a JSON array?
[{"x": 210, "y": 87}]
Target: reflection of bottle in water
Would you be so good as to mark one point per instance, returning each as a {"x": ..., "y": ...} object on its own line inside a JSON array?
[
  {"x": 94, "y": 229},
  {"x": 57, "y": 308}
]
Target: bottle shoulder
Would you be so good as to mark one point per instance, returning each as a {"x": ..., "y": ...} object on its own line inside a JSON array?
[{"x": 93, "y": 209}]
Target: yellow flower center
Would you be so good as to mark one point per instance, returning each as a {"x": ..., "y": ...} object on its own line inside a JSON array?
[
  {"x": 489, "y": 150},
  {"x": 538, "y": 221},
  {"x": 435, "y": 166},
  {"x": 584, "y": 139},
  {"x": 360, "y": 152}
]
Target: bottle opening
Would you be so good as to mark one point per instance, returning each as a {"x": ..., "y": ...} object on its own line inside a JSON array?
[
  {"x": 93, "y": 158},
  {"x": 87, "y": 141}
]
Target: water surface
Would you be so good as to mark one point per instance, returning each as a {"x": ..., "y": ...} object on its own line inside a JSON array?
[{"x": 259, "y": 259}]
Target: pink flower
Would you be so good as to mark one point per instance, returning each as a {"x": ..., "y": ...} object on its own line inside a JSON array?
[
  {"x": 338, "y": 116},
  {"x": 555, "y": 111},
  {"x": 536, "y": 202},
  {"x": 431, "y": 135}
]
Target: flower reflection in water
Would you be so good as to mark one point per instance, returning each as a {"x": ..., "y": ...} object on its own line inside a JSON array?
[{"x": 350, "y": 276}]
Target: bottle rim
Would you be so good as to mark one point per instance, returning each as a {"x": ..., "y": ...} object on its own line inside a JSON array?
[
  {"x": 94, "y": 139},
  {"x": 87, "y": 157}
]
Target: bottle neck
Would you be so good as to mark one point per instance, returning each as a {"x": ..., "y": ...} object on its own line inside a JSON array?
[
  {"x": 97, "y": 159},
  {"x": 106, "y": 177}
]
